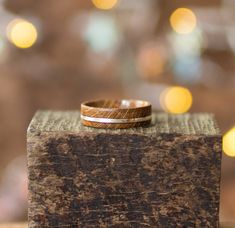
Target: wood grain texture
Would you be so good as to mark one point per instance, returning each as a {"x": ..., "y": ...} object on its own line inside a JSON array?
[
  {"x": 116, "y": 109},
  {"x": 164, "y": 175}
]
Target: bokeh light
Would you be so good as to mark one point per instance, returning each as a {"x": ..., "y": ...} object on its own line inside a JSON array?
[
  {"x": 183, "y": 20},
  {"x": 229, "y": 143},
  {"x": 101, "y": 34},
  {"x": 105, "y": 4},
  {"x": 151, "y": 61},
  {"x": 186, "y": 59},
  {"x": 194, "y": 41},
  {"x": 176, "y": 100},
  {"x": 187, "y": 69},
  {"x": 22, "y": 33}
]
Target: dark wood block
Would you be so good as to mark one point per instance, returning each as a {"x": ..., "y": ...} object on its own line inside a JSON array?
[{"x": 164, "y": 175}]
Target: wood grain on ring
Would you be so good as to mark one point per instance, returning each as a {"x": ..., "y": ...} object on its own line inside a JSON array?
[{"x": 116, "y": 109}]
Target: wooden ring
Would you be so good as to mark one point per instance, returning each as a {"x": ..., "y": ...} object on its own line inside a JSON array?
[{"x": 116, "y": 113}]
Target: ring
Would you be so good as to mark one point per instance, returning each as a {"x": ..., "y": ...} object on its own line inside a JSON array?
[{"x": 116, "y": 113}]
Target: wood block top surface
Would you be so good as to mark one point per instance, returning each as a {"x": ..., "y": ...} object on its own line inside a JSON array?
[{"x": 162, "y": 123}]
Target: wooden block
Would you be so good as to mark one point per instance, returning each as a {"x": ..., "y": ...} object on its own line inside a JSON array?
[{"x": 164, "y": 175}]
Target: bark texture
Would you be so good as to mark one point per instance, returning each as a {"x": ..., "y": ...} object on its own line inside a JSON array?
[{"x": 164, "y": 175}]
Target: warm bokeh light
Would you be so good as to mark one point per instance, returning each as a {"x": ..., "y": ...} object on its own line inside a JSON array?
[
  {"x": 151, "y": 61},
  {"x": 105, "y": 4},
  {"x": 21, "y": 33},
  {"x": 229, "y": 143},
  {"x": 176, "y": 99},
  {"x": 183, "y": 21}
]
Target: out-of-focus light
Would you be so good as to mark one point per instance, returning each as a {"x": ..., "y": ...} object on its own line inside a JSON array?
[
  {"x": 101, "y": 33},
  {"x": 186, "y": 60},
  {"x": 229, "y": 143},
  {"x": 22, "y": 33},
  {"x": 183, "y": 20},
  {"x": 187, "y": 69},
  {"x": 151, "y": 61},
  {"x": 105, "y": 4},
  {"x": 194, "y": 41},
  {"x": 176, "y": 99}
]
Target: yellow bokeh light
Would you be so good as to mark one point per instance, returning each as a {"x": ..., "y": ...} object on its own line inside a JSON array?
[
  {"x": 183, "y": 20},
  {"x": 229, "y": 143},
  {"x": 105, "y": 4},
  {"x": 176, "y": 100},
  {"x": 21, "y": 33}
]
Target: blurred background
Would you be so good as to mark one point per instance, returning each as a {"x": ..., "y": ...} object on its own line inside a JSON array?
[{"x": 179, "y": 55}]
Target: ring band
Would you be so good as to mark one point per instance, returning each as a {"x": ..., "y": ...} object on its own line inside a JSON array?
[{"x": 116, "y": 113}]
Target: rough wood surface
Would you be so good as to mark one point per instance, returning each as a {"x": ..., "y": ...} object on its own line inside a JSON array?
[
  {"x": 200, "y": 124},
  {"x": 165, "y": 175}
]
